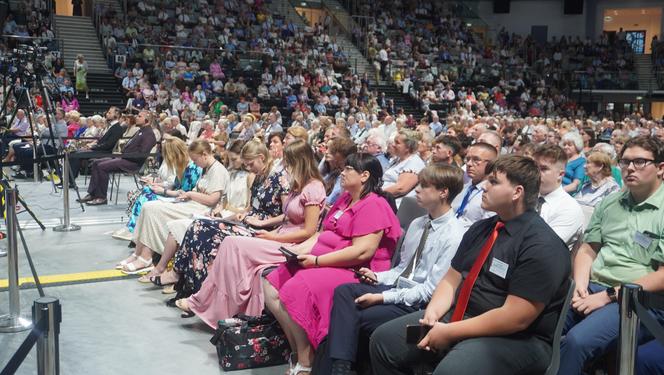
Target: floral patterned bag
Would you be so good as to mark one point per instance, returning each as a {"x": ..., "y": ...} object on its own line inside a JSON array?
[{"x": 249, "y": 342}]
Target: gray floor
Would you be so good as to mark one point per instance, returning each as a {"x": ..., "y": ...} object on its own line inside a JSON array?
[{"x": 110, "y": 327}]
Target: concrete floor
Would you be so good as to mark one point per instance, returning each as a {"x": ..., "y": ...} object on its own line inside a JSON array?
[{"x": 108, "y": 327}]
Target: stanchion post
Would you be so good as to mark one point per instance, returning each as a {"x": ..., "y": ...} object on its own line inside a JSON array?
[
  {"x": 629, "y": 323},
  {"x": 13, "y": 322},
  {"x": 66, "y": 225},
  {"x": 48, "y": 311}
]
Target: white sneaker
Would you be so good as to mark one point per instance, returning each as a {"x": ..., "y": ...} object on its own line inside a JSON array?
[{"x": 123, "y": 234}]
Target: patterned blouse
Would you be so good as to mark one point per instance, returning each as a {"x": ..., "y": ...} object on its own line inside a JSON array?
[{"x": 266, "y": 192}]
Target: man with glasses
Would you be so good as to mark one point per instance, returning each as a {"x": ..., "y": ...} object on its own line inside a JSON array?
[
  {"x": 467, "y": 206},
  {"x": 376, "y": 145},
  {"x": 624, "y": 243}
]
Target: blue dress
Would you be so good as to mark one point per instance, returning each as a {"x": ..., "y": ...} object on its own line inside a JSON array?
[
  {"x": 574, "y": 170},
  {"x": 191, "y": 175}
]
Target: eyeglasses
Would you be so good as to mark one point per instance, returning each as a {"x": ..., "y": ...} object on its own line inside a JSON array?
[
  {"x": 639, "y": 163},
  {"x": 474, "y": 160}
]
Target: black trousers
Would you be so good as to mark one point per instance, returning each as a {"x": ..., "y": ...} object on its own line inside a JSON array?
[
  {"x": 75, "y": 159},
  {"x": 24, "y": 156},
  {"x": 349, "y": 322},
  {"x": 390, "y": 354},
  {"x": 102, "y": 168}
]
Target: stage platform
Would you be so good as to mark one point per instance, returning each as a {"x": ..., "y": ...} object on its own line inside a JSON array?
[{"x": 111, "y": 324}]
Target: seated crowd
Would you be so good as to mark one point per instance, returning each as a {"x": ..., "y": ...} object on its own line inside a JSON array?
[
  {"x": 428, "y": 51},
  {"x": 230, "y": 193},
  {"x": 518, "y": 195},
  {"x": 221, "y": 207}
]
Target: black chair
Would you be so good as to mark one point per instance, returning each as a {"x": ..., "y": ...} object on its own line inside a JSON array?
[
  {"x": 557, "y": 336},
  {"x": 408, "y": 211}
]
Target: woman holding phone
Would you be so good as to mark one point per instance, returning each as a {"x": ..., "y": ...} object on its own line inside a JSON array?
[
  {"x": 360, "y": 230},
  {"x": 268, "y": 191},
  {"x": 234, "y": 283}
]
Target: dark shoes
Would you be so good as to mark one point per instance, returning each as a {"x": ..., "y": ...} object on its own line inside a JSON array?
[
  {"x": 97, "y": 202},
  {"x": 87, "y": 198}
]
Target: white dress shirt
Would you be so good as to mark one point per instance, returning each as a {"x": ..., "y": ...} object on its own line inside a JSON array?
[
  {"x": 440, "y": 247},
  {"x": 473, "y": 211},
  {"x": 564, "y": 215}
]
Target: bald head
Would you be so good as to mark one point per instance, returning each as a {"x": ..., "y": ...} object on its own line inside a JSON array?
[{"x": 493, "y": 138}]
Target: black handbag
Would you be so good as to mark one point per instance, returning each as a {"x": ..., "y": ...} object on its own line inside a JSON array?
[{"x": 245, "y": 342}]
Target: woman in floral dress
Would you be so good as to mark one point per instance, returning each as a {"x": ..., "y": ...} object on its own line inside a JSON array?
[{"x": 268, "y": 191}]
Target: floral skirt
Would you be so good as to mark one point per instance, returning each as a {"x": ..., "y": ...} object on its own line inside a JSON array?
[{"x": 198, "y": 250}]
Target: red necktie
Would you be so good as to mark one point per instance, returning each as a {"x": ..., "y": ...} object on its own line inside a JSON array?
[{"x": 469, "y": 282}]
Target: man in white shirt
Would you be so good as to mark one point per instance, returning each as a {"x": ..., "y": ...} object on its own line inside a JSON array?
[
  {"x": 383, "y": 58},
  {"x": 555, "y": 206},
  {"x": 175, "y": 123},
  {"x": 425, "y": 255},
  {"x": 389, "y": 127},
  {"x": 468, "y": 205}
]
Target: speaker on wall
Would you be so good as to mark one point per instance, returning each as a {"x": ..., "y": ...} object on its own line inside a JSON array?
[
  {"x": 501, "y": 6},
  {"x": 573, "y": 6}
]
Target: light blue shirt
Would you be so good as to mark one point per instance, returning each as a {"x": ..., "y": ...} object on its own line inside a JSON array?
[
  {"x": 441, "y": 245},
  {"x": 473, "y": 211}
]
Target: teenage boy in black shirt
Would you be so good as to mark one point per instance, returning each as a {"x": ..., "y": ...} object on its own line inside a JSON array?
[{"x": 507, "y": 324}]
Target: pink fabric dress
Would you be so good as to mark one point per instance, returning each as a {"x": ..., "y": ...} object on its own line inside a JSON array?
[
  {"x": 233, "y": 285},
  {"x": 307, "y": 293}
]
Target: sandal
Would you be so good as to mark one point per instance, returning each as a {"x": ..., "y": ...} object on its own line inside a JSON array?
[
  {"x": 299, "y": 368},
  {"x": 180, "y": 304},
  {"x": 131, "y": 269},
  {"x": 170, "y": 289},
  {"x": 123, "y": 263}
]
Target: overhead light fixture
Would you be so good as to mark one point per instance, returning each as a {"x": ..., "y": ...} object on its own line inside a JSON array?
[
  {"x": 469, "y": 24},
  {"x": 639, "y": 98},
  {"x": 608, "y": 19}
]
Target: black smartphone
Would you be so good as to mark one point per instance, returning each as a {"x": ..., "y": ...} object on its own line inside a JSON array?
[
  {"x": 291, "y": 257},
  {"x": 364, "y": 277},
  {"x": 415, "y": 333}
]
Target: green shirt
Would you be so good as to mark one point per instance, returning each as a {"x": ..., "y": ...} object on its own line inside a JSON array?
[{"x": 614, "y": 224}]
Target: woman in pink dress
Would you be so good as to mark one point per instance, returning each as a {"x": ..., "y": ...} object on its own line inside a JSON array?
[
  {"x": 360, "y": 230},
  {"x": 233, "y": 284}
]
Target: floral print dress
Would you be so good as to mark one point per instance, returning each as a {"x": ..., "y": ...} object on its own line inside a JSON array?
[
  {"x": 191, "y": 175},
  {"x": 204, "y": 236}
]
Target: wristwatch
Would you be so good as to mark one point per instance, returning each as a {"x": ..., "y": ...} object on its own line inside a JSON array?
[{"x": 612, "y": 294}]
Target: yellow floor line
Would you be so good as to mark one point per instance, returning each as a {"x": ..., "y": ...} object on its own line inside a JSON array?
[{"x": 68, "y": 278}]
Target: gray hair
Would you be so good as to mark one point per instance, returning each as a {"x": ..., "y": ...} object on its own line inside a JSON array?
[
  {"x": 378, "y": 138},
  {"x": 605, "y": 148},
  {"x": 574, "y": 138}
]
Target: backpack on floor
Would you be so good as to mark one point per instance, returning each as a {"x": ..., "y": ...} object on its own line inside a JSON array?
[{"x": 245, "y": 342}]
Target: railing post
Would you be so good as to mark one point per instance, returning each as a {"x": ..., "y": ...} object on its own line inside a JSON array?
[
  {"x": 629, "y": 323},
  {"x": 66, "y": 225},
  {"x": 13, "y": 322},
  {"x": 48, "y": 310}
]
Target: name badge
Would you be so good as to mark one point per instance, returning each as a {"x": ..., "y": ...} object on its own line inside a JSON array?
[
  {"x": 337, "y": 215},
  {"x": 643, "y": 240},
  {"x": 499, "y": 268},
  {"x": 403, "y": 283}
]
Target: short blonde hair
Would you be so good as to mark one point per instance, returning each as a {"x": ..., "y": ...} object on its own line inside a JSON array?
[{"x": 601, "y": 159}]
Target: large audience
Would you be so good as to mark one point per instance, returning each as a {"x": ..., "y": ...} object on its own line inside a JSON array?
[{"x": 501, "y": 163}]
